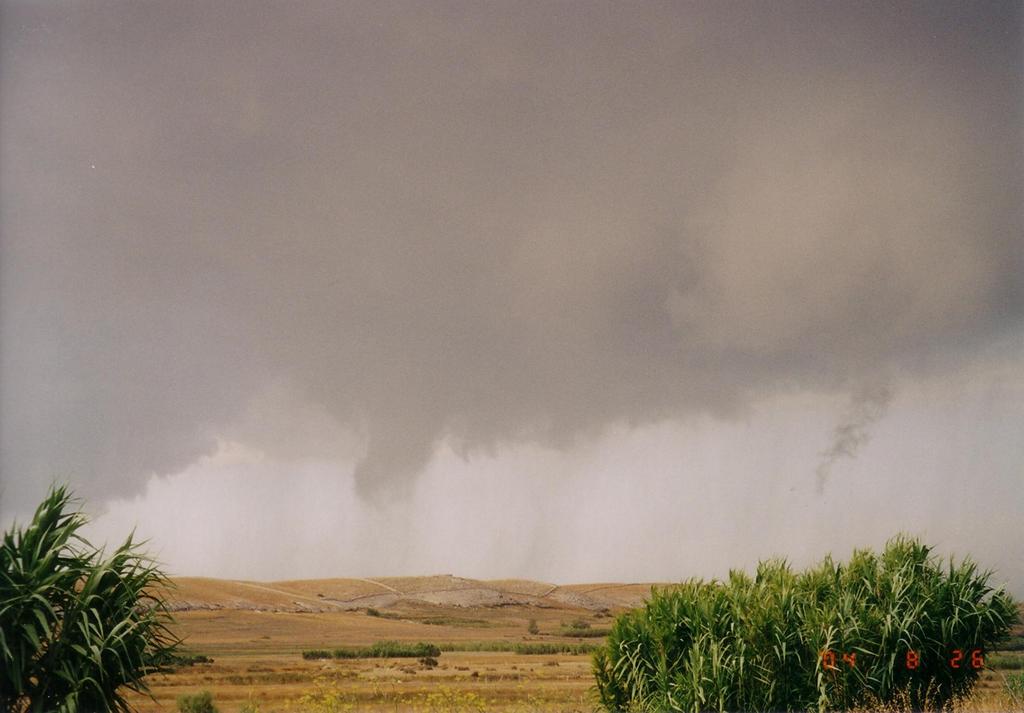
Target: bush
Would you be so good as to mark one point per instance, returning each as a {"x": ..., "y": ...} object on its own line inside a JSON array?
[
  {"x": 532, "y": 627},
  {"x": 380, "y": 650},
  {"x": 77, "y": 627},
  {"x": 762, "y": 643},
  {"x": 182, "y": 660},
  {"x": 196, "y": 703},
  {"x": 548, "y": 648},
  {"x": 315, "y": 654}
]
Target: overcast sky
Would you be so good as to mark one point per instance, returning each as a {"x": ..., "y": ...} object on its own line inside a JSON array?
[{"x": 572, "y": 291}]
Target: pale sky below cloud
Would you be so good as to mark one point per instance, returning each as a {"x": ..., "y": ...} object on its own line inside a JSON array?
[
  {"x": 660, "y": 502},
  {"x": 361, "y": 237}
]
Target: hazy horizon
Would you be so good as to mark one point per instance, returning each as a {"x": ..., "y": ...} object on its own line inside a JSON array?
[{"x": 568, "y": 292}]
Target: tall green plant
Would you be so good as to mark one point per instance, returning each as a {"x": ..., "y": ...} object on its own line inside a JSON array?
[
  {"x": 78, "y": 628},
  {"x": 760, "y": 643}
]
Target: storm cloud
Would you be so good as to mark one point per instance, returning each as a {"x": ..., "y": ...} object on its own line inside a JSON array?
[{"x": 361, "y": 230}]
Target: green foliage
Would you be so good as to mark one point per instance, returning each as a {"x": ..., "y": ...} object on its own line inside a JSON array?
[
  {"x": 1015, "y": 689},
  {"x": 525, "y": 648},
  {"x": 315, "y": 654},
  {"x": 756, "y": 643},
  {"x": 532, "y": 627},
  {"x": 182, "y": 660},
  {"x": 478, "y": 646},
  {"x": 382, "y": 614},
  {"x": 77, "y": 627},
  {"x": 550, "y": 647},
  {"x": 379, "y": 650},
  {"x": 197, "y": 703}
]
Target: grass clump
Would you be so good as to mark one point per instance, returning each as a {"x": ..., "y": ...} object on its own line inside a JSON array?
[
  {"x": 1015, "y": 690},
  {"x": 201, "y": 702},
  {"x": 522, "y": 648},
  {"x": 379, "y": 650},
  {"x": 761, "y": 643},
  {"x": 477, "y": 646},
  {"x": 316, "y": 654},
  {"x": 383, "y": 614},
  {"x": 546, "y": 647},
  {"x": 182, "y": 660}
]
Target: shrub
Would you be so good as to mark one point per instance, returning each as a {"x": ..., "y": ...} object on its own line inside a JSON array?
[
  {"x": 314, "y": 654},
  {"x": 77, "y": 627},
  {"x": 182, "y": 660},
  {"x": 379, "y": 650},
  {"x": 532, "y": 627},
  {"x": 529, "y": 648},
  {"x": 196, "y": 703},
  {"x": 382, "y": 614},
  {"x": 762, "y": 643},
  {"x": 533, "y": 649}
]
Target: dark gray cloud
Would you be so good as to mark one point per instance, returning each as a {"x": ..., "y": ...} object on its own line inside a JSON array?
[
  {"x": 484, "y": 223},
  {"x": 853, "y": 431}
]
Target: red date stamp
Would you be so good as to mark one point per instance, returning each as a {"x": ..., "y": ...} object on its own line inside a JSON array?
[{"x": 912, "y": 660}]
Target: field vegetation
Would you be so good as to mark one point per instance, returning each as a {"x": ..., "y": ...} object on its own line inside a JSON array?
[
  {"x": 879, "y": 631},
  {"x": 380, "y": 650},
  {"x": 401, "y": 646},
  {"x": 79, "y": 628}
]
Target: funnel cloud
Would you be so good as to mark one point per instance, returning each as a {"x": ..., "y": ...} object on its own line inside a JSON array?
[
  {"x": 851, "y": 434},
  {"x": 367, "y": 234}
]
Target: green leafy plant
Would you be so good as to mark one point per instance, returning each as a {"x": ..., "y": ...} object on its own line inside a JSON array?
[
  {"x": 201, "y": 702},
  {"x": 379, "y": 650},
  {"x": 523, "y": 648},
  {"x": 78, "y": 627},
  {"x": 879, "y": 631}
]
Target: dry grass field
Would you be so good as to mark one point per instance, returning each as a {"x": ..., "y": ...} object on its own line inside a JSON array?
[{"x": 255, "y": 634}]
